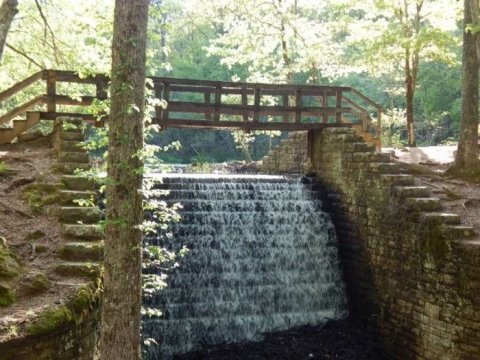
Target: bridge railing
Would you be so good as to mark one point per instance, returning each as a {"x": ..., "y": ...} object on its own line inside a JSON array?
[{"x": 211, "y": 104}]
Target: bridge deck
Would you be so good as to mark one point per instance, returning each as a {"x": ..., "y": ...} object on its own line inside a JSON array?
[{"x": 209, "y": 104}]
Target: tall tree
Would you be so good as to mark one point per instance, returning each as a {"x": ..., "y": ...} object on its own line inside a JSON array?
[
  {"x": 8, "y": 10},
  {"x": 396, "y": 36},
  {"x": 120, "y": 329},
  {"x": 466, "y": 159}
]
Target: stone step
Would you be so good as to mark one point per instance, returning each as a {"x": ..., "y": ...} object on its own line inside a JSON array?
[
  {"x": 78, "y": 251},
  {"x": 72, "y": 146},
  {"x": 371, "y": 157},
  {"x": 72, "y": 136},
  {"x": 78, "y": 269},
  {"x": 339, "y": 130},
  {"x": 76, "y": 214},
  {"x": 68, "y": 197},
  {"x": 73, "y": 121},
  {"x": 70, "y": 168},
  {"x": 345, "y": 137},
  {"x": 359, "y": 147},
  {"x": 423, "y": 204},
  {"x": 441, "y": 218},
  {"x": 397, "y": 179},
  {"x": 69, "y": 126},
  {"x": 73, "y": 157},
  {"x": 384, "y": 168},
  {"x": 73, "y": 182},
  {"x": 411, "y": 191},
  {"x": 84, "y": 231},
  {"x": 459, "y": 231}
]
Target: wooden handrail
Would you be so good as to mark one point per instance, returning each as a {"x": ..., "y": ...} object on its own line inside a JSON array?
[
  {"x": 226, "y": 84},
  {"x": 21, "y": 109},
  {"x": 252, "y": 111},
  {"x": 21, "y": 85}
]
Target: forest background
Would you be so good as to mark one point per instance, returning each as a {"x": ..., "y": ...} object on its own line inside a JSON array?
[{"x": 383, "y": 48}]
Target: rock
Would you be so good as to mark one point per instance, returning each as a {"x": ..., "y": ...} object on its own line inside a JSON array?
[
  {"x": 8, "y": 265},
  {"x": 29, "y": 136},
  {"x": 35, "y": 235},
  {"x": 34, "y": 283},
  {"x": 7, "y": 296}
]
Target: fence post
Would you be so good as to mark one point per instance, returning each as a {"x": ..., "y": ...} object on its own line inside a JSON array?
[
  {"x": 338, "y": 105},
  {"x": 51, "y": 91}
]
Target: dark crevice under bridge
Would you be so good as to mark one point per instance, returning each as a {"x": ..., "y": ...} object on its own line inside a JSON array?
[{"x": 194, "y": 104}]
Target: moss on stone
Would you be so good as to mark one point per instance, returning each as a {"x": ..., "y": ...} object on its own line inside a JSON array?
[
  {"x": 82, "y": 299},
  {"x": 35, "y": 283},
  {"x": 8, "y": 264},
  {"x": 50, "y": 320},
  {"x": 7, "y": 296},
  {"x": 40, "y": 195}
]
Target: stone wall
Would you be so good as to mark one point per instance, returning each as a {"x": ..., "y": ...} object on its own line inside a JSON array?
[
  {"x": 68, "y": 331},
  {"x": 412, "y": 271},
  {"x": 290, "y": 156}
]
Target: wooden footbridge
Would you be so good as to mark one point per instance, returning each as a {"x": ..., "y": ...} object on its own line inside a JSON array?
[{"x": 193, "y": 104}]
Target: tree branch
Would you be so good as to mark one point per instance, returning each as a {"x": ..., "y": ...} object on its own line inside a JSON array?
[
  {"x": 49, "y": 29},
  {"x": 20, "y": 52}
]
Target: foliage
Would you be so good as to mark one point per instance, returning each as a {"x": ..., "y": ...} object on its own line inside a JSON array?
[
  {"x": 357, "y": 43},
  {"x": 4, "y": 169}
]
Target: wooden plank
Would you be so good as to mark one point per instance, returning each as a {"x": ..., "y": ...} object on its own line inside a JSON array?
[
  {"x": 218, "y": 103},
  {"x": 263, "y": 86},
  {"x": 365, "y": 98},
  {"x": 245, "y": 102},
  {"x": 325, "y": 104},
  {"x": 67, "y": 100},
  {"x": 286, "y": 117},
  {"x": 166, "y": 97},
  {"x": 72, "y": 76},
  {"x": 189, "y": 123},
  {"x": 51, "y": 90},
  {"x": 256, "y": 104},
  {"x": 21, "y": 109},
  {"x": 54, "y": 115},
  {"x": 206, "y": 99},
  {"x": 158, "y": 88},
  {"x": 238, "y": 90},
  {"x": 101, "y": 87},
  {"x": 338, "y": 103},
  {"x": 298, "y": 106},
  {"x": 250, "y": 110},
  {"x": 21, "y": 85}
]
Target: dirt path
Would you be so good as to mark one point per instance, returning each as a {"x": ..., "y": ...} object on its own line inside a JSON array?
[{"x": 32, "y": 236}]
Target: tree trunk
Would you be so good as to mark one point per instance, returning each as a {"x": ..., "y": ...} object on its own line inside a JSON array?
[
  {"x": 8, "y": 10},
  {"x": 466, "y": 159},
  {"x": 409, "y": 93},
  {"x": 120, "y": 327}
]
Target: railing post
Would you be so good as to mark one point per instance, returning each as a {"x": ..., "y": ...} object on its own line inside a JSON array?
[
  {"x": 218, "y": 103},
  {"x": 325, "y": 105},
  {"x": 157, "y": 89},
  {"x": 298, "y": 105},
  {"x": 166, "y": 97},
  {"x": 379, "y": 122},
  {"x": 244, "y": 102},
  {"x": 256, "y": 95},
  {"x": 338, "y": 105},
  {"x": 286, "y": 117},
  {"x": 101, "y": 87},
  {"x": 206, "y": 100},
  {"x": 51, "y": 91}
]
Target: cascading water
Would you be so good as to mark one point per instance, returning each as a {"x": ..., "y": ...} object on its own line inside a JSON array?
[{"x": 262, "y": 258}]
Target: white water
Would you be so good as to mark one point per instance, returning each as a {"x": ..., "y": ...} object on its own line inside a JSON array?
[{"x": 262, "y": 258}]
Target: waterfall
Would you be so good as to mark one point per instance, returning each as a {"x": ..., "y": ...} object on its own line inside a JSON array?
[{"x": 262, "y": 257}]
